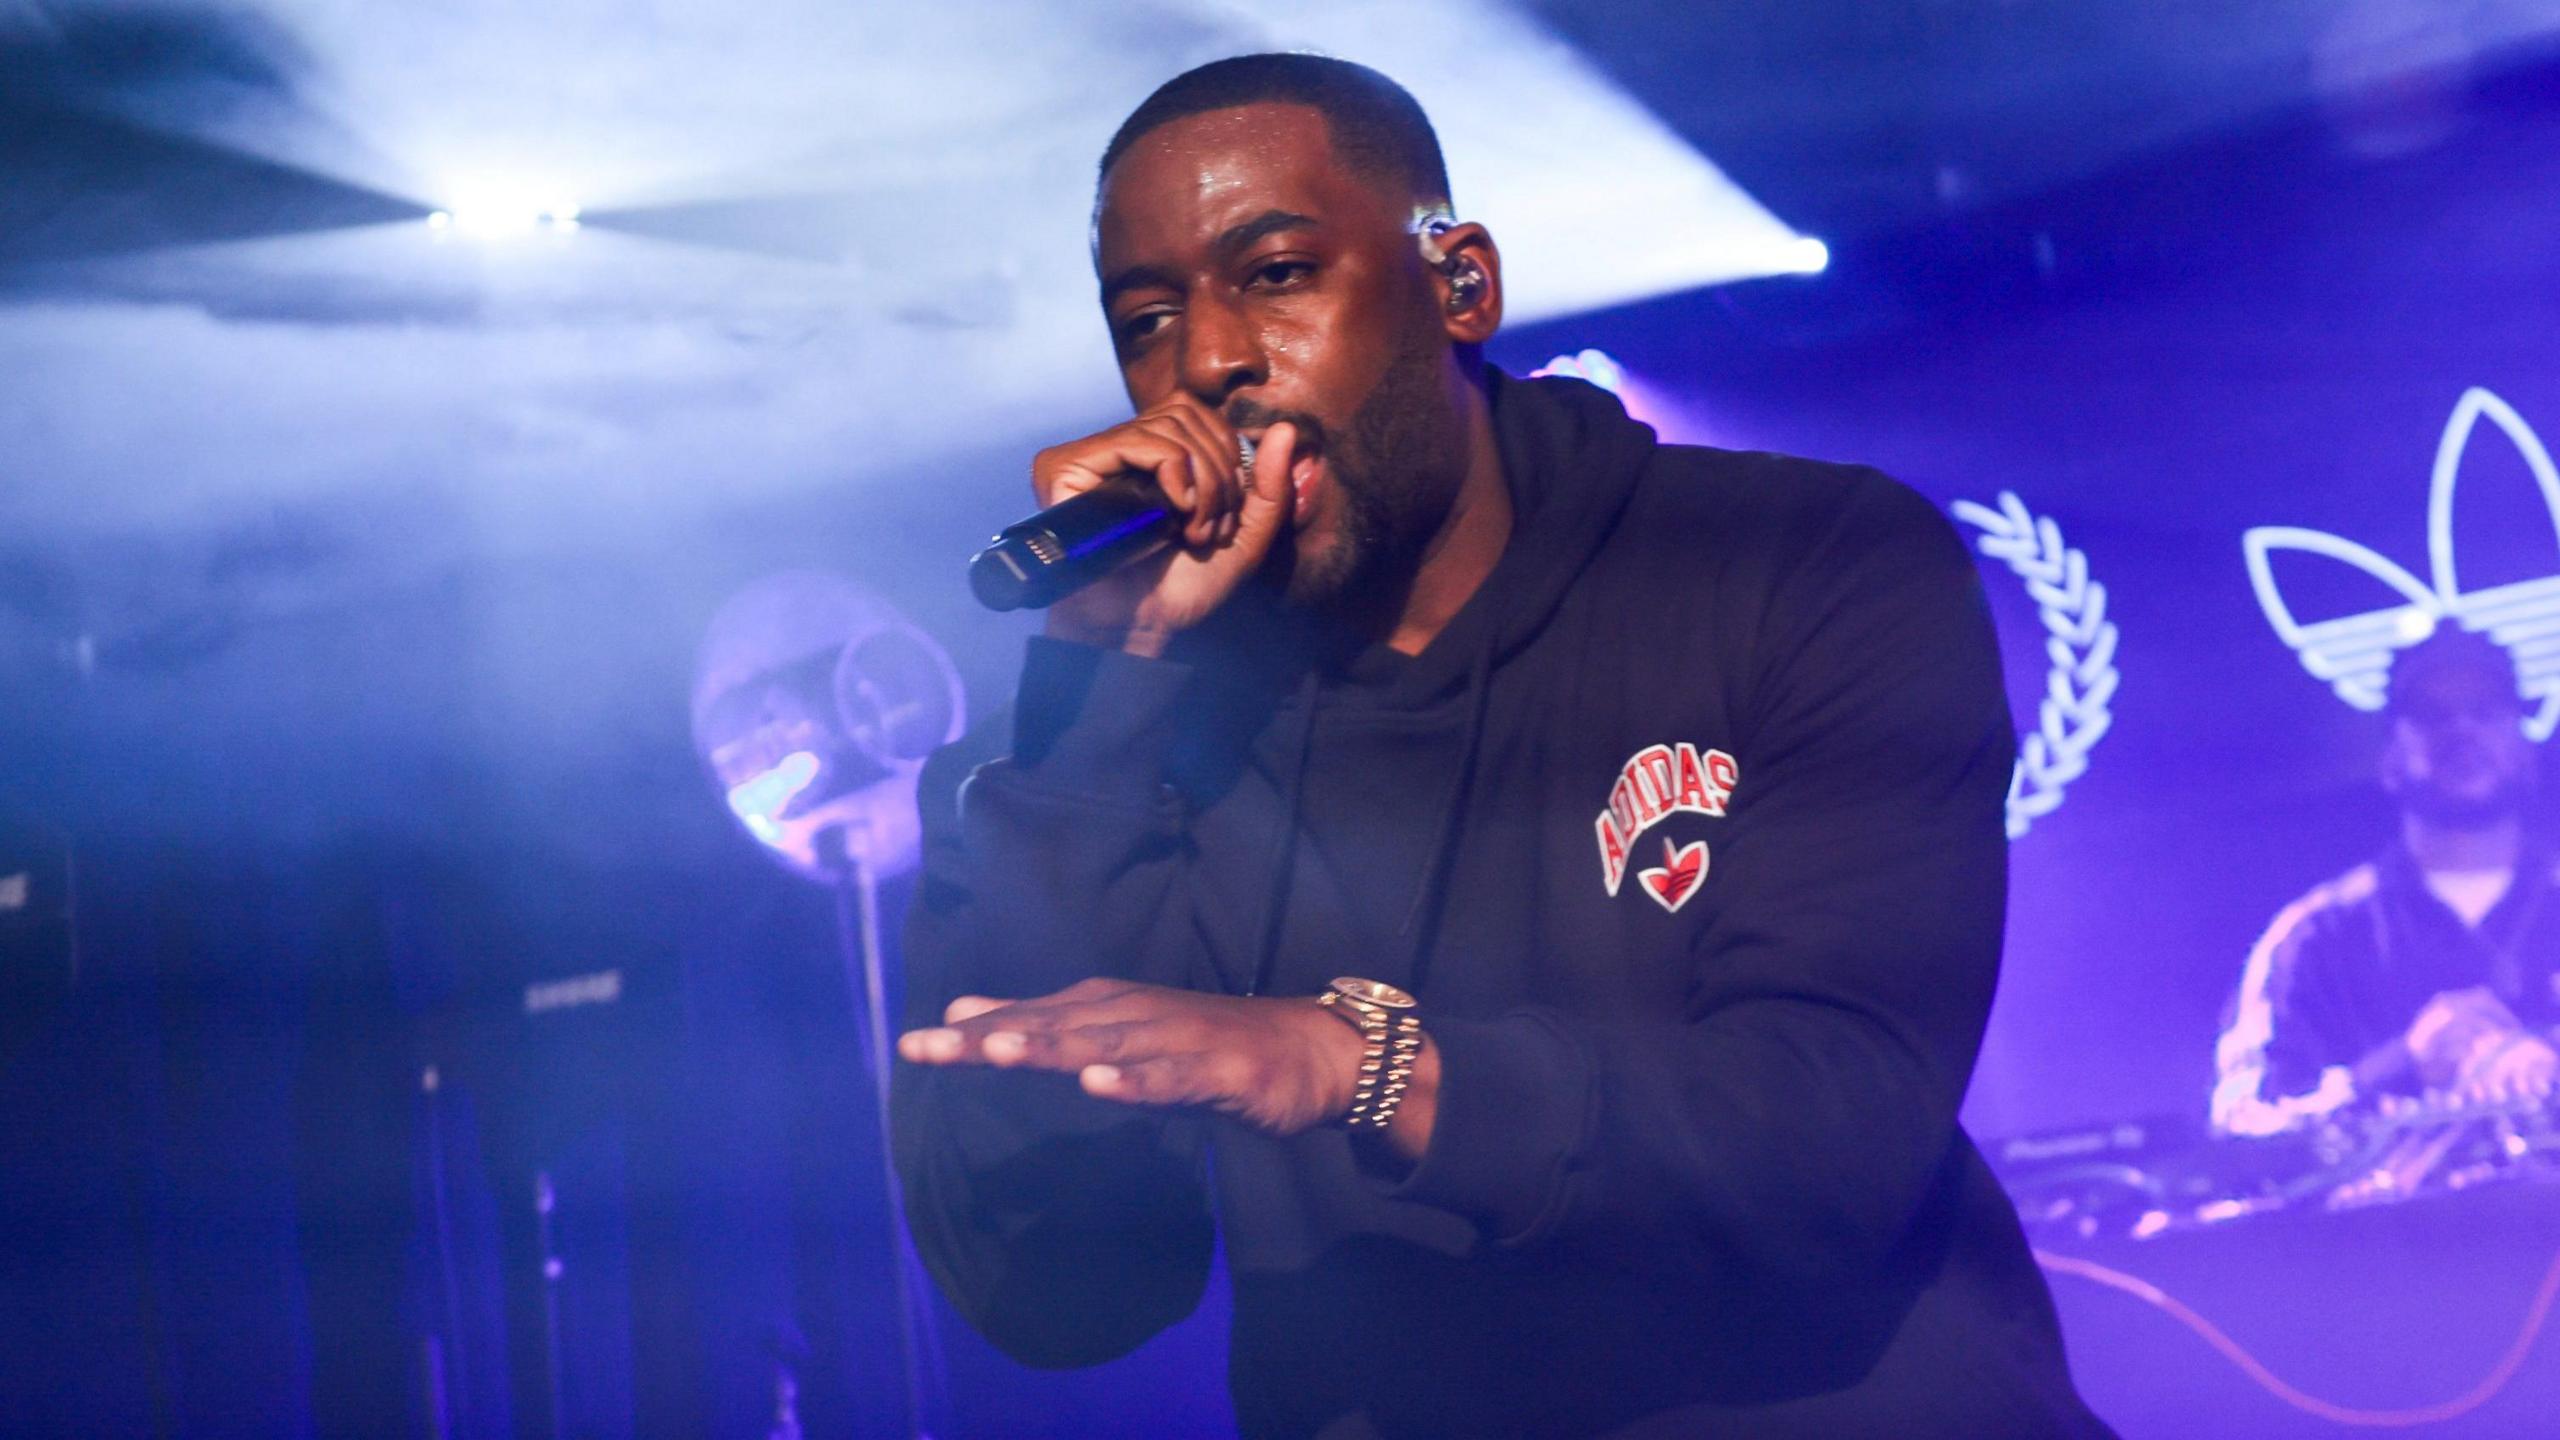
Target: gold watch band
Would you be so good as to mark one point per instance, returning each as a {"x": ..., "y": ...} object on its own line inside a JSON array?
[{"x": 1391, "y": 1044}]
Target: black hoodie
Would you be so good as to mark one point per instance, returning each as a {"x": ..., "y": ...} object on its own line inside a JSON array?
[{"x": 1687, "y": 833}]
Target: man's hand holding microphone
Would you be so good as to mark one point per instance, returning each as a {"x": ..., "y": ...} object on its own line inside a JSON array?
[{"x": 1224, "y": 517}]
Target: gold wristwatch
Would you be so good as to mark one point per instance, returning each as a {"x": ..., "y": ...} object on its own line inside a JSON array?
[{"x": 1392, "y": 1032}]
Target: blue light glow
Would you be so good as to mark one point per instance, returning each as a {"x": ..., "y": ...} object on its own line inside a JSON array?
[
  {"x": 1596, "y": 366},
  {"x": 496, "y": 211},
  {"x": 759, "y": 800}
]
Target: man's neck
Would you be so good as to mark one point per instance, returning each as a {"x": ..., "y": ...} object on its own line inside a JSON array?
[
  {"x": 1468, "y": 545},
  {"x": 2440, "y": 848}
]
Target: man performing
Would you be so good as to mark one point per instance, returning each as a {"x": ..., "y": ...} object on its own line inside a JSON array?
[
  {"x": 2409, "y": 973},
  {"x": 1538, "y": 889}
]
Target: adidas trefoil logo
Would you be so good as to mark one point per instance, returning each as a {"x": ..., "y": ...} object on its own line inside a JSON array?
[{"x": 2353, "y": 653}]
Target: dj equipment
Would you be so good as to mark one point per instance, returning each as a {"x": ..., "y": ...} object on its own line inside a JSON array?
[
  {"x": 2140, "y": 1177},
  {"x": 2391, "y": 1267}
]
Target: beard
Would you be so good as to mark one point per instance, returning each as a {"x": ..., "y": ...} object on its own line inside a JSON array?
[
  {"x": 2456, "y": 783},
  {"x": 2480, "y": 809},
  {"x": 1388, "y": 473}
]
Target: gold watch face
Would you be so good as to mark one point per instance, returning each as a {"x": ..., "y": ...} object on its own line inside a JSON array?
[{"x": 1372, "y": 992}]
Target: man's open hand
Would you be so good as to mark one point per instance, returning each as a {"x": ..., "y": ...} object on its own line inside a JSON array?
[{"x": 1279, "y": 1065}]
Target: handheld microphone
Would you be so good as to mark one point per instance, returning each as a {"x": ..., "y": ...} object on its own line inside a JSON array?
[{"x": 1035, "y": 563}]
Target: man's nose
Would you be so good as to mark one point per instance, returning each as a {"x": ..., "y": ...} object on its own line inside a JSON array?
[{"x": 1221, "y": 354}]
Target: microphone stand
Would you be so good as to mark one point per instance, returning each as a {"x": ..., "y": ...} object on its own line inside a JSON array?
[{"x": 857, "y": 893}]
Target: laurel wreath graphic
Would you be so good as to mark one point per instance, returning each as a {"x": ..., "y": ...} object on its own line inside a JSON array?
[{"x": 2080, "y": 641}]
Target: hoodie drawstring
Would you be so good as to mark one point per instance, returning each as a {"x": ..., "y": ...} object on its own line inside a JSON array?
[
  {"x": 1422, "y": 918},
  {"x": 1422, "y": 915},
  {"x": 1284, "y": 847}
]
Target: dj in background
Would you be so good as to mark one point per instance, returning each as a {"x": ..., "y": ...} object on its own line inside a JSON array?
[{"x": 2433, "y": 966}]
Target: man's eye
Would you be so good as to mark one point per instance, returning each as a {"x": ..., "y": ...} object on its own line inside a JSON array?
[
  {"x": 1281, "y": 273},
  {"x": 1141, "y": 325}
]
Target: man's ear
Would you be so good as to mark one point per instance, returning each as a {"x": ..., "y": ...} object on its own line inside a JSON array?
[
  {"x": 1467, "y": 278},
  {"x": 2392, "y": 768}
]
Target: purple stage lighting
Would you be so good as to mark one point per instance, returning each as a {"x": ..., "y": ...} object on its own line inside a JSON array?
[{"x": 814, "y": 707}]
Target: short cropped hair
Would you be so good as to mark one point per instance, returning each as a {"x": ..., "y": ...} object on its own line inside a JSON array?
[
  {"x": 1377, "y": 130},
  {"x": 2449, "y": 649}
]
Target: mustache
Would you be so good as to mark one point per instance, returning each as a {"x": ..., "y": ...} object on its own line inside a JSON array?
[{"x": 1247, "y": 415}]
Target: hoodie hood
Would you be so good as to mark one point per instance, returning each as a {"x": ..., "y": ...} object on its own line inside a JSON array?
[{"x": 1572, "y": 456}]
